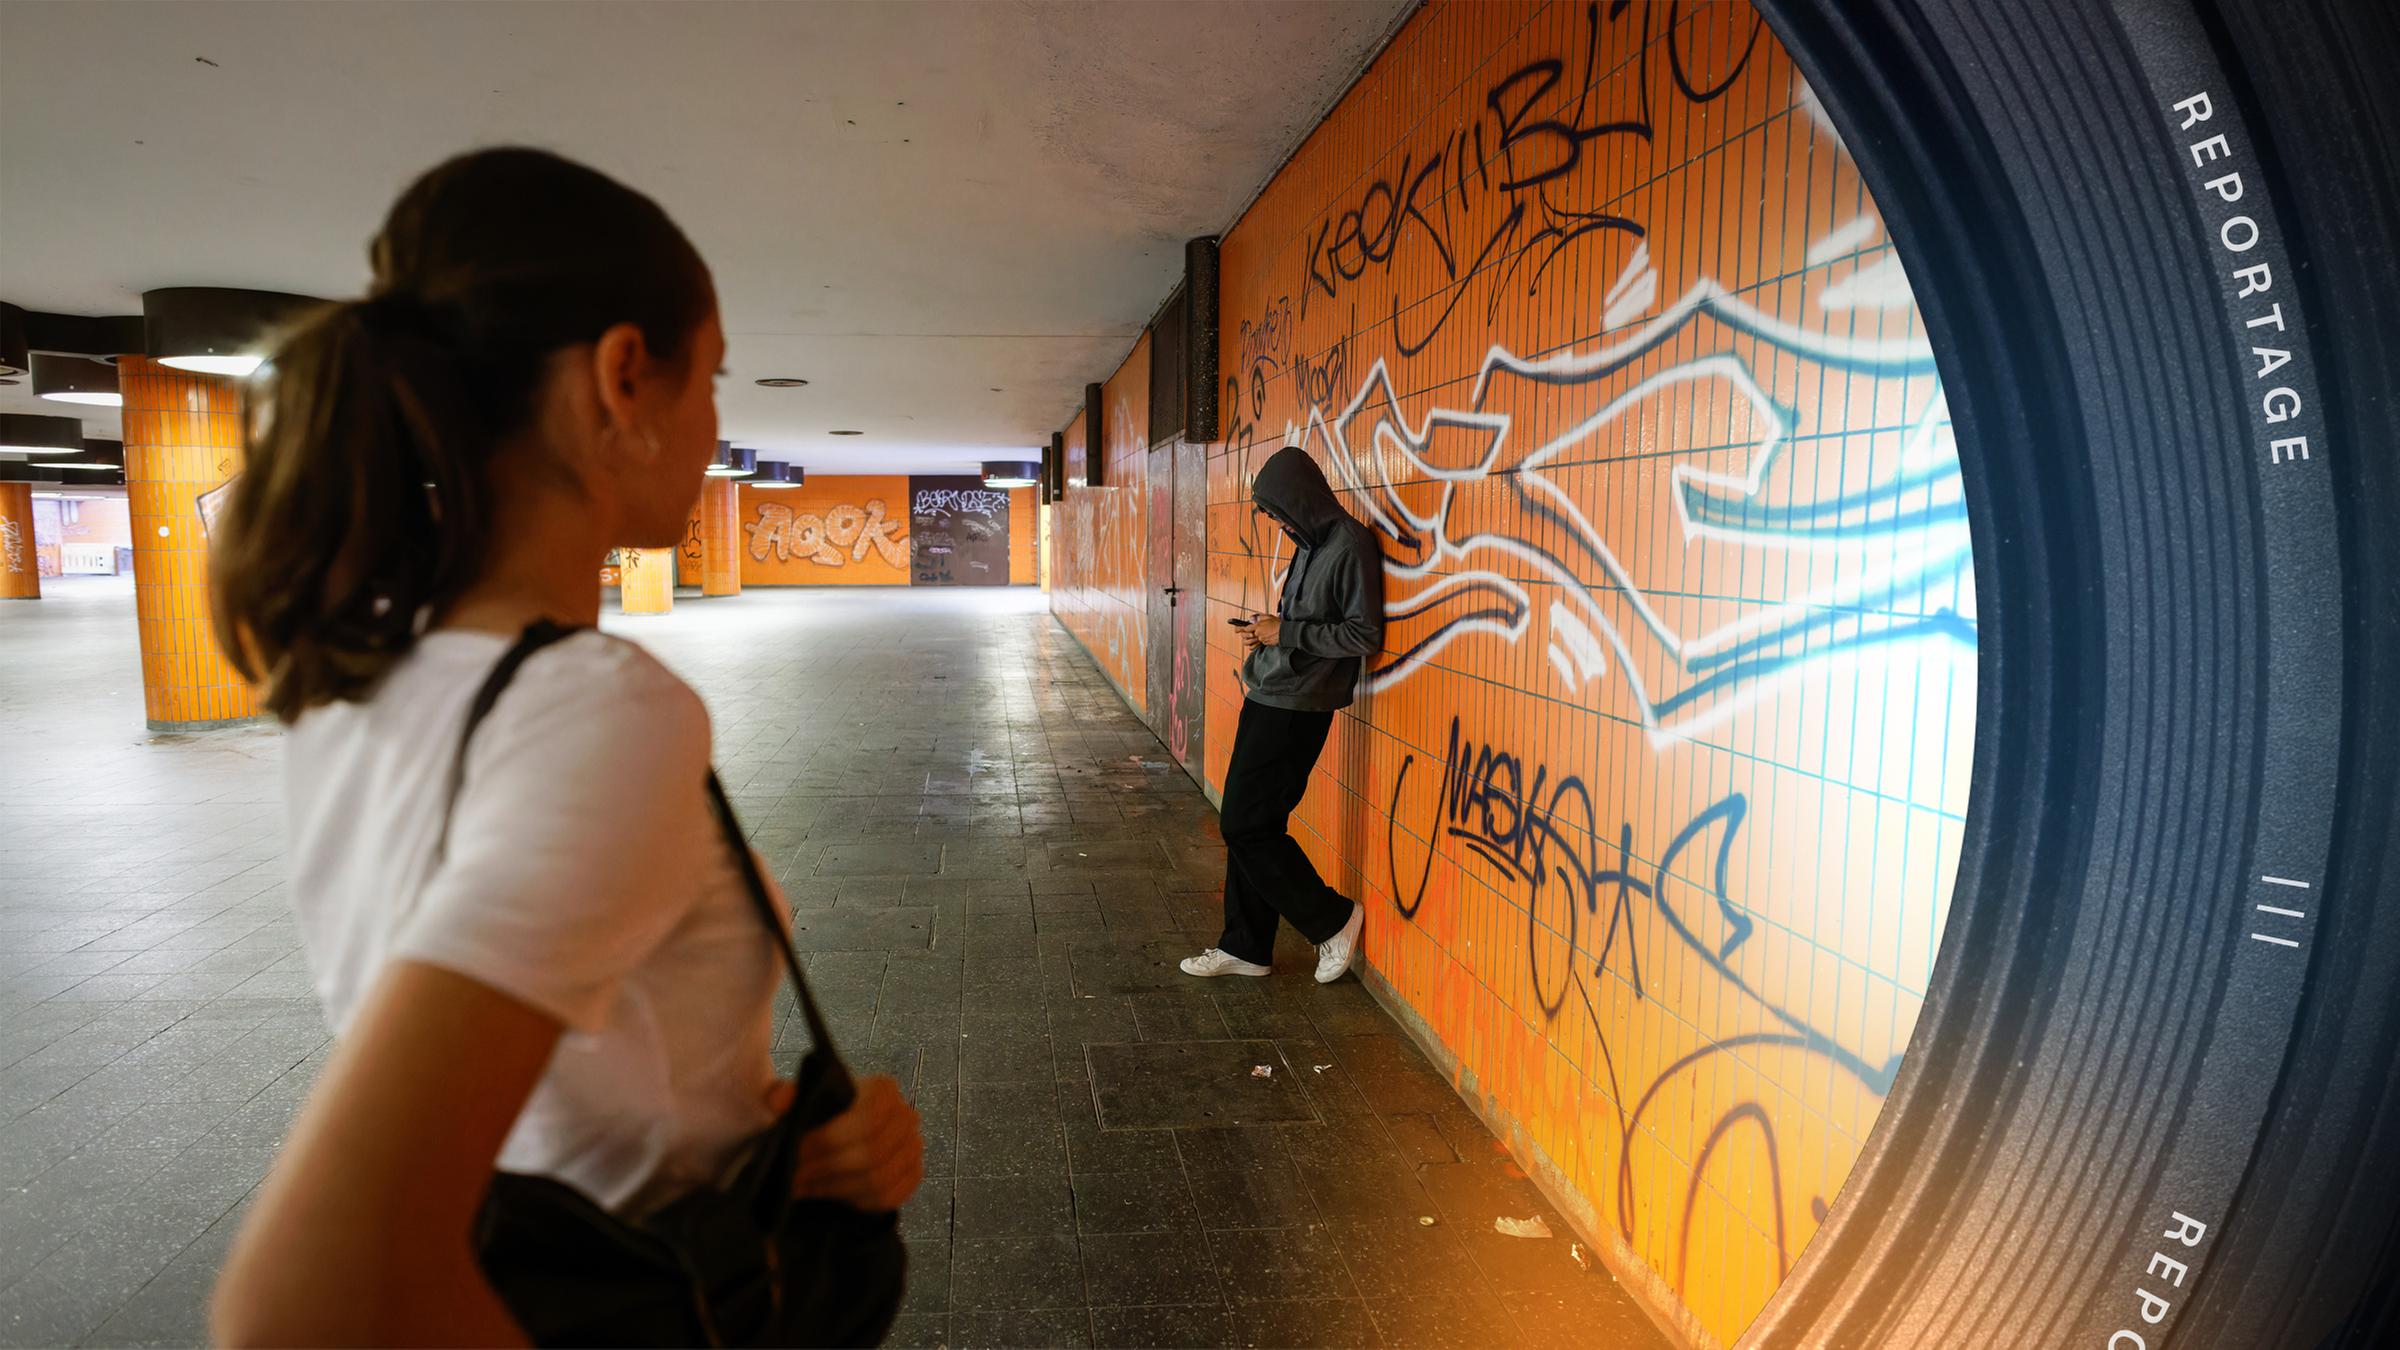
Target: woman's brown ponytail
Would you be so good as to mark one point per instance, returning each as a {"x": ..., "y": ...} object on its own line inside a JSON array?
[{"x": 366, "y": 506}]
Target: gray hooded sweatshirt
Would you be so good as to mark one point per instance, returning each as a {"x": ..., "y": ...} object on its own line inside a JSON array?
[{"x": 1332, "y": 601}]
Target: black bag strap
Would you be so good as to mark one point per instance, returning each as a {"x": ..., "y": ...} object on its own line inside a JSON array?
[
  {"x": 542, "y": 633},
  {"x": 746, "y": 862}
]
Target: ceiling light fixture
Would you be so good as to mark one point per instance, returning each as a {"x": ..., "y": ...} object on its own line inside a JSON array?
[
  {"x": 102, "y": 464},
  {"x": 780, "y": 382},
  {"x": 775, "y": 473},
  {"x": 28, "y": 434},
  {"x": 1011, "y": 473},
  {"x": 215, "y": 330},
  {"x": 76, "y": 379},
  {"x": 845, "y": 433},
  {"x": 733, "y": 461},
  {"x": 13, "y": 352}
]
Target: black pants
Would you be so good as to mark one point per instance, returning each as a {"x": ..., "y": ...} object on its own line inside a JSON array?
[{"x": 1267, "y": 876}]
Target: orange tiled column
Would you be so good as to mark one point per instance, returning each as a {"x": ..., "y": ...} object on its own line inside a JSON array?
[
  {"x": 720, "y": 537},
  {"x": 183, "y": 439},
  {"x": 646, "y": 580},
  {"x": 687, "y": 553},
  {"x": 20, "y": 572}
]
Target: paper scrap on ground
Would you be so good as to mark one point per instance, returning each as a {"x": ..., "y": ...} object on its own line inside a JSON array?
[
  {"x": 1575, "y": 1249},
  {"x": 1322, "y": 1067},
  {"x": 1263, "y": 1071},
  {"x": 1531, "y": 1228},
  {"x": 1425, "y": 1219}
]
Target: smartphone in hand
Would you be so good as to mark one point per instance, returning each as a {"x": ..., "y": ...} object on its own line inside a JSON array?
[{"x": 1239, "y": 623}]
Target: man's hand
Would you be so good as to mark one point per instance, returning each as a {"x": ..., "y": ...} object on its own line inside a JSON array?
[
  {"x": 1264, "y": 629},
  {"x": 870, "y": 1157}
]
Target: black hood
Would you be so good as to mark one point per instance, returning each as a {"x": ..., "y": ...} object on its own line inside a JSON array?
[{"x": 1291, "y": 488}]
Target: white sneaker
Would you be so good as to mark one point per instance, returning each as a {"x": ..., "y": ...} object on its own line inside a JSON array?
[
  {"x": 1334, "y": 957},
  {"x": 1214, "y": 962}
]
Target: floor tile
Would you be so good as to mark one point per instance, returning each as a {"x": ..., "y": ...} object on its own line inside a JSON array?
[
  {"x": 880, "y": 858},
  {"x": 1133, "y": 1268},
  {"x": 1194, "y": 1083},
  {"x": 1013, "y": 1206},
  {"x": 1020, "y": 1272},
  {"x": 1200, "y": 1327},
  {"x": 1032, "y": 1329},
  {"x": 1306, "y": 1324},
  {"x": 1133, "y": 1202}
]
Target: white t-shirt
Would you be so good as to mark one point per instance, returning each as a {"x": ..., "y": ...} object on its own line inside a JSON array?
[{"x": 584, "y": 876}]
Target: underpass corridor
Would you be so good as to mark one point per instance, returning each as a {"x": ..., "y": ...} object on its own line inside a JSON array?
[{"x": 993, "y": 867}]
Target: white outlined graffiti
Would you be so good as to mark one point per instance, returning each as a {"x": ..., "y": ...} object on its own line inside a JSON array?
[
  {"x": 1903, "y": 537},
  {"x": 966, "y": 501}
]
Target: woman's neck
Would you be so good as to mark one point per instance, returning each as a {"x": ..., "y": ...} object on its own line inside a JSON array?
[{"x": 546, "y": 554}]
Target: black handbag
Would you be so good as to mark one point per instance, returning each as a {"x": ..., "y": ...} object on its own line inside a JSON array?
[{"x": 744, "y": 1265}]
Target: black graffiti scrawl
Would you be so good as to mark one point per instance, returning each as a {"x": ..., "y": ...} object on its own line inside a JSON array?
[{"x": 958, "y": 532}]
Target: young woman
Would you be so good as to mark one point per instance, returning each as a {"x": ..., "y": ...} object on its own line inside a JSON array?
[{"x": 572, "y": 983}]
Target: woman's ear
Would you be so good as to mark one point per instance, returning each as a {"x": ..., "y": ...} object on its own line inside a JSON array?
[{"x": 620, "y": 361}]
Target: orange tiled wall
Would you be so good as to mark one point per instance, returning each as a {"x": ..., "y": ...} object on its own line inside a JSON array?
[
  {"x": 20, "y": 570},
  {"x": 1024, "y": 536},
  {"x": 1064, "y": 567},
  {"x": 1048, "y": 517},
  {"x": 830, "y": 531},
  {"x": 1097, "y": 580},
  {"x": 721, "y": 538},
  {"x": 183, "y": 439},
  {"x": 645, "y": 580},
  {"x": 688, "y": 553},
  {"x": 1654, "y": 795}
]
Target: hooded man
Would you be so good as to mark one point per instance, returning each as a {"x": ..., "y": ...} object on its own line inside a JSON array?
[{"x": 1303, "y": 665}]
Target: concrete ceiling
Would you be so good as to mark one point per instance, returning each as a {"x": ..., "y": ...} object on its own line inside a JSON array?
[{"x": 948, "y": 217}]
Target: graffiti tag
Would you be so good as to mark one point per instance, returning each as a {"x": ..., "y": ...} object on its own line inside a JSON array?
[
  {"x": 960, "y": 501},
  {"x": 783, "y": 534}
]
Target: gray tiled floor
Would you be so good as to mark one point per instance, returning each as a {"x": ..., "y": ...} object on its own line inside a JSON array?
[{"x": 992, "y": 870}]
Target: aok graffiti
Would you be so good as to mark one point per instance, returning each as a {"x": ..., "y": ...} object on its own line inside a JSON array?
[
  {"x": 783, "y": 534},
  {"x": 12, "y": 546}
]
